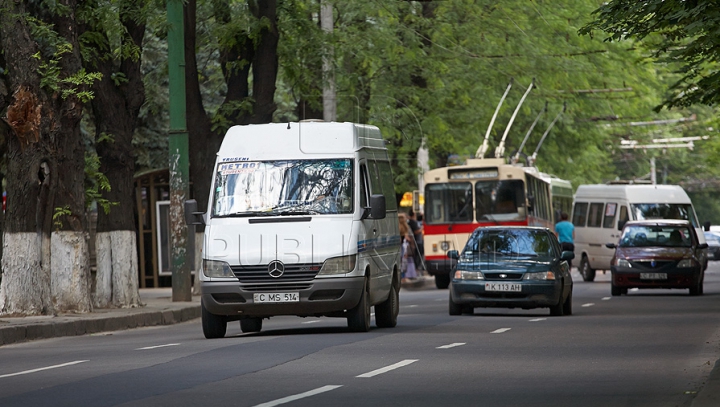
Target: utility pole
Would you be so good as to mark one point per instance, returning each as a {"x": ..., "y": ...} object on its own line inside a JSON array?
[
  {"x": 662, "y": 143},
  {"x": 178, "y": 154},
  {"x": 329, "y": 97}
]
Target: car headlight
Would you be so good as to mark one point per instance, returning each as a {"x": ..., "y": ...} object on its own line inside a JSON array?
[
  {"x": 217, "y": 269},
  {"x": 338, "y": 265},
  {"x": 686, "y": 263},
  {"x": 468, "y": 275},
  {"x": 623, "y": 263},
  {"x": 544, "y": 275}
]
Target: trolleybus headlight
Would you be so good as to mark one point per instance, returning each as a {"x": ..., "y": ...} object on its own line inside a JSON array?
[
  {"x": 686, "y": 263},
  {"x": 217, "y": 269},
  {"x": 468, "y": 275},
  {"x": 338, "y": 265},
  {"x": 445, "y": 246}
]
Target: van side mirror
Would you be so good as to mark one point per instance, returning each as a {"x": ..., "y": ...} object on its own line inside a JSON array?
[
  {"x": 706, "y": 226},
  {"x": 621, "y": 224},
  {"x": 377, "y": 206},
  {"x": 192, "y": 216},
  {"x": 702, "y": 246}
]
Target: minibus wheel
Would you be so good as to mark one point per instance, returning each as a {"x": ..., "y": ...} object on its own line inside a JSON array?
[
  {"x": 359, "y": 317},
  {"x": 587, "y": 273},
  {"x": 386, "y": 312},
  {"x": 214, "y": 326}
]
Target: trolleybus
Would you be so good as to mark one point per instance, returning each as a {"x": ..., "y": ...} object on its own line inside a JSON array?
[{"x": 485, "y": 192}]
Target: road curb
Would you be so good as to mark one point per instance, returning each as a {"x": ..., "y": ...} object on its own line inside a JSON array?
[{"x": 709, "y": 395}]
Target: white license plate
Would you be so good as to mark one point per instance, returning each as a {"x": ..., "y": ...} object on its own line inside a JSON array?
[
  {"x": 653, "y": 276},
  {"x": 503, "y": 287},
  {"x": 276, "y": 297}
]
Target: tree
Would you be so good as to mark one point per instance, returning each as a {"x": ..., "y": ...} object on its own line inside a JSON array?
[
  {"x": 45, "y": 266},
  {"x": 682, "y": 32}
]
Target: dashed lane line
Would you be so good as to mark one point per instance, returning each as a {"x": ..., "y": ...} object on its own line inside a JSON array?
[
  {"x": 499, "y": 331},
  {"x": 158, "y": 346},
  {"x": 606, "y": 298},
  {"x": 590, "y": 304},
  {"x": 299, "y": 396},
  {"x": 40, "y": 369},
  {"x": 538, "y": 319},
  {"x": 452, "y": 345},
  {"x": 388, "y": 368}
]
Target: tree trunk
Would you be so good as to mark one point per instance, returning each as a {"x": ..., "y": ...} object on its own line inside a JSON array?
[
  {"x": 45, "y": 266},
  {"x": 116, "y": 108}
]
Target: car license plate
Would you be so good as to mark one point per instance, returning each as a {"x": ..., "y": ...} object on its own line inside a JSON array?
[
  {"x": 653, "y": 276},
  {"x": 503, "y": 287},
  {"x": 276, "y": 297}
]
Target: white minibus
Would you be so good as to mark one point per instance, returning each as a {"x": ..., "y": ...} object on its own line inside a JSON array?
[
  {"x": 600, "y": 211},
  {"x": 302, "y": 220}
]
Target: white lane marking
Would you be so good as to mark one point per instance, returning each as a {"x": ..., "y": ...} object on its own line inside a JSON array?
[
  {"x": 42, "y": 368},
  {"x": 606, "y": 298},
  {"x": 538, "y": 319},
  {"x": 299, "y": 396},
  {"x": 310, "y": 322},
  {"x": 388, "y": 368},
  {"x": 412, "y": 306},
  {"x": 440, "y": 299},
  {"x": 633, "y": 289},
  {"x": 158, "y": 346},
  {"x": 590, "y": 304},
  {"x": 499, "y": 331},
  {"x": 452, "y": 345}
]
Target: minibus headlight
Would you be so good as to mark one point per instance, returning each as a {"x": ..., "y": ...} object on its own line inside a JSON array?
[
  {"x": 338, "y": 265},
  {"x": 217, "y": 269}
]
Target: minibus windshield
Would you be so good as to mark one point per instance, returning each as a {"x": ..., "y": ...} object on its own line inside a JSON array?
[
  {"x": 288, "y": 187},
  {"x": 664, "y": 211}
]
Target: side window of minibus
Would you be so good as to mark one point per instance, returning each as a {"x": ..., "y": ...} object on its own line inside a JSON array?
[
  {"x": 623, "y": 214},
  {"x": 363, "y": 186},
  {"x": 595, "y": 214},
  {"x": 580, "y": 214},
  {"x": 609, "y": 219}
]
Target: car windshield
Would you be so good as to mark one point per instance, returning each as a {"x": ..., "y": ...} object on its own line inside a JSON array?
[
  {"x": 489, "y": 244},
  {"x": 657, "y": 236},
  {"x": 290, "y": 187}
]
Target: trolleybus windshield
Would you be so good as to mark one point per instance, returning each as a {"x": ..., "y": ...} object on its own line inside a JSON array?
[{"x": 452, "y": 202}]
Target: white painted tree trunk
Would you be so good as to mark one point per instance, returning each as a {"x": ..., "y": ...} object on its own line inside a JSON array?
[
  {"x": 70, "y": 272},
  {"x": 25, "y": 288},
  {"x": 117, "y": 270}
]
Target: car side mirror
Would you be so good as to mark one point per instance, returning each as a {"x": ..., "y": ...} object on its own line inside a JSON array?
[
  {"x": 377, "y": 206},
  {"x": 567, "y": 255},
  {"x": 703, "y": 246},
  {"x": 192, "y": 216},
  {"x": 453, "y": 254},
  {"x": 610, "y": 245}
]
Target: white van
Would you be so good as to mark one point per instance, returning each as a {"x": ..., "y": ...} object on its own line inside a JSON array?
[
  {"x": 302, "y": 220},
  {"x": 600, "y": 211}
]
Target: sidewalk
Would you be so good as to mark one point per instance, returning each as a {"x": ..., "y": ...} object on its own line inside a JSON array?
[{"x": 159, "y": 309}]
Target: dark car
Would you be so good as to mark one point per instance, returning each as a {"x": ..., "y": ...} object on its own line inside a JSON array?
[
  {"x": 657, "y": 254},
  {"x": 511, "y": 267},
  {"x": 713, "y": 241}
]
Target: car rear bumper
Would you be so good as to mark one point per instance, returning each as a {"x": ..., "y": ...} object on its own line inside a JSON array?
[
  {"x": 532, "y": 294},
  {"x": 317, "y": 298},
  {"x": 676, "y": 278}
]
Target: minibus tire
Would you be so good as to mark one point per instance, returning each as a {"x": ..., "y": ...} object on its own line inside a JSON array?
[
  {"x": 386, "y": 312},
  {"x": 251, "y": 325},
  {"x": 359, "y": 317},
  {"x": 587, "y": 273},
  {"x": 214, "y": 326}
]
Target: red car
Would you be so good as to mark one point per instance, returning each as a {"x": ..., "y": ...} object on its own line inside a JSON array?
[{"x": 658, "y": 253}]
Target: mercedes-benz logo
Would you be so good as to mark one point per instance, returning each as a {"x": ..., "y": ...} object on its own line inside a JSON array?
[{"x": 276, "y": 269}]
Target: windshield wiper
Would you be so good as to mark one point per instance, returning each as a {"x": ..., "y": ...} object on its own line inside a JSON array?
[
  {"x": 296, "y": 212},
  {"x": 246, "y": 214}
]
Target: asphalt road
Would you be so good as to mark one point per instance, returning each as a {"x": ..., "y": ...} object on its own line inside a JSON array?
[{"x": 650, "y": 348}]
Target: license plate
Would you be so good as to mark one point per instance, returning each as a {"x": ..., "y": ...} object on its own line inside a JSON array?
[
  {"x": 653, "y": 276},
  {"x": 503, "y": 287},
  {"x": 276, "y": 297}
]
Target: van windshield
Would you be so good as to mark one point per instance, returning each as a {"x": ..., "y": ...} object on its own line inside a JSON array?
[
  {"x": 664, "y": 211},
  {"x": 288, "y": 187}
]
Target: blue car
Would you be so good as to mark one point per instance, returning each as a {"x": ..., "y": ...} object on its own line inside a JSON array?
[{"x": 511, "y": 267}]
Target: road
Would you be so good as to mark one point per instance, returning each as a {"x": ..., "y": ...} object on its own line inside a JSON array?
[{"x": 650, "y": 348}]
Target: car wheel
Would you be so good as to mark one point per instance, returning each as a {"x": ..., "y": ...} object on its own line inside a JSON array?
[
  {"x": 213, "y": 326},
  {"x": 587, "y": 273},
  {"x": 453, "y": 308},
  {"x": 615, "y": 290},
  {"x": 567, "y": 305},
  {"x": 359, "y": 317},
  {"x": 251, "y": 325},
  {"x": 442, "y": 281},
  {"x": 557, "y": 309},
  {"x": 698, "y": 289},
  {"x": 386, "y": 313}
]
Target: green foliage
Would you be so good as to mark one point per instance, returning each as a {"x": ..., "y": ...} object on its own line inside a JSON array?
[
  {"x": 95, "y": 183},
  {"x": 58, "y": 214}
]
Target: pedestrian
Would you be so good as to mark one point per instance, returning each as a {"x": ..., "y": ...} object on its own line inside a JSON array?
[
  {"x": 407, "y": 264},
  {"x": 417, "y": 234},
  {"x": 565, "y": 231}
]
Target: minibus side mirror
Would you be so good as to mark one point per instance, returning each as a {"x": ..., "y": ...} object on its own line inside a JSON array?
[
  {"x": 377, "y": 206},
  {"x": 192, "y": 216},
  {"x": 706, "y": 226}
]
